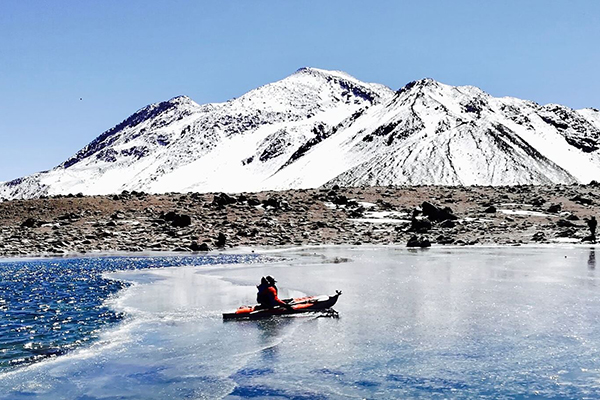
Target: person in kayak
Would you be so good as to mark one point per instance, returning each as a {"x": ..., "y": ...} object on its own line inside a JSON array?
[{"x": 267, "y": 294}]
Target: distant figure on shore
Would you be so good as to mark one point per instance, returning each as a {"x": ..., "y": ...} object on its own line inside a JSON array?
[{"x": 592, "y": 224}]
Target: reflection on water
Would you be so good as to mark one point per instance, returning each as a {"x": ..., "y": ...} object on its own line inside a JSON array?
[
  {"x": 270, "y": 335},
  {"x": 592, "y": 259},
  {"x": 271, "y": 328}
]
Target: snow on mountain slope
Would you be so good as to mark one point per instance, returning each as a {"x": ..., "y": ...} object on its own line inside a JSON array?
[
  {"x": 591, "y": 115},
  {"x": 319, "y": 127},
  {"x": 180, "y": 145},
  {"x": 431, "y": 133}
]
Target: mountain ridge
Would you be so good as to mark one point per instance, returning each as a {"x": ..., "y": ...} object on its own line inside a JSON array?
[{"x": 318, "y": 127}]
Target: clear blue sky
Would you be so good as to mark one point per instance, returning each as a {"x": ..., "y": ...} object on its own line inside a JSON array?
[{"x": 119, "y": 56}]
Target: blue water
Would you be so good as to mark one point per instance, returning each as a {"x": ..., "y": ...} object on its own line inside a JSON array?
[
  {"x": 442, "y": 323},
  {"x": 51, "y": 306}
]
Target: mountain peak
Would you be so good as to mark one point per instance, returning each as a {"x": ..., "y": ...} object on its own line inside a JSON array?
[
  {"x": 321, "y": 72},
  {"x": 419, "y": 85},
  {"x": 182, "y": 100},
  {"x": 325, "y": 74},
  {"x": 373, "y": 92}
]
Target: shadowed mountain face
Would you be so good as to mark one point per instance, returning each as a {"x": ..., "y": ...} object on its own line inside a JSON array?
[{"x": 319, "y": 127}]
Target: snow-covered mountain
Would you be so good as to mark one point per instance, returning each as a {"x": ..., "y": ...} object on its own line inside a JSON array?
[{"x": 320, "y": 127}]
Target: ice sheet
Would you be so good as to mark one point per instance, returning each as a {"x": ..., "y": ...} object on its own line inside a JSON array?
[{"x": 437, "y": 323}]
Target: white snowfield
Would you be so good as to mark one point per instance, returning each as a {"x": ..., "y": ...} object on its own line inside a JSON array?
[{"x": 320, "y": 127}]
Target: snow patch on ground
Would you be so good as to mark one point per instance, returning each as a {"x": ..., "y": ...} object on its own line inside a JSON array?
[
  {"x": 525, "y": 212},
  {"x": 381, "y": 220}
]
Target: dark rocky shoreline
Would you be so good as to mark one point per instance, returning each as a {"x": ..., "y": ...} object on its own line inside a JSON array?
[{"x": 193, "y": 222}]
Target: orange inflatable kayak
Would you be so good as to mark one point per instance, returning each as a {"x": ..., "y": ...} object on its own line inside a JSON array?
[{"x": 297, "y": 306}]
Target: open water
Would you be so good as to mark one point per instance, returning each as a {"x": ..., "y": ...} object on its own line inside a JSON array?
[
  {"x": 509, "y": 322},
  {"x": 51, "y": 306}
]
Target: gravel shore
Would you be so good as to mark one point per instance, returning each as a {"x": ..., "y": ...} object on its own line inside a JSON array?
[{"x": 192, "y": 222}]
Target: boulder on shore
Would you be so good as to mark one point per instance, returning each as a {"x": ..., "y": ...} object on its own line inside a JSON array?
[
  {"x": 29, "y": 223},
  {"x": 223, "y": 199},
  {"x": 419, "y": 225},
  {"x": 199, "y": 247},
  {"x": 418, "y": 241},
  {"x": 437, "y": 214},
  {"x": 221, "y": 240}
]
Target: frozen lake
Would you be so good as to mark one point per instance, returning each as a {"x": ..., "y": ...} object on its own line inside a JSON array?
[{"x": 510, "y": 322}]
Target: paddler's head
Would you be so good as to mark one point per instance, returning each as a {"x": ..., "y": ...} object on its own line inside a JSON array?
[{"x": 271, "y": 280}]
